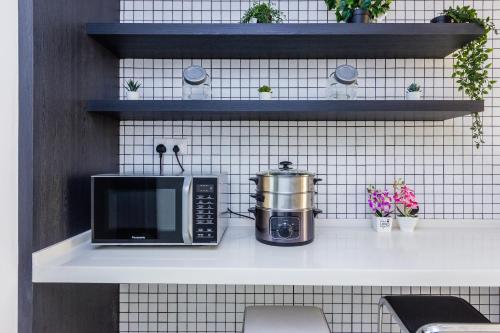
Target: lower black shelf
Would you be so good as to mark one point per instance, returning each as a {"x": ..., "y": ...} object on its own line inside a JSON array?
[{"x": 285, "y": 109}]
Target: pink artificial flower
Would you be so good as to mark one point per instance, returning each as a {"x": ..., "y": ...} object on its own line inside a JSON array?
[{"x": 404, "y": 199}]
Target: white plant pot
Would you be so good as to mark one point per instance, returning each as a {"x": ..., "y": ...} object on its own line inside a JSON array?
[
  {"x": 413, "y": 95},
  {"x": 382, "y": 224},
  {"x": 266, "y": 96},
  {"x": 407, "y": 224},
  {"x": 253, "y": 20},
  {"x": 133, "y": 95}
]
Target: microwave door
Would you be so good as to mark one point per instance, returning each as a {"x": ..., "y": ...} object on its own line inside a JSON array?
[{"x": 138, "y": 210}]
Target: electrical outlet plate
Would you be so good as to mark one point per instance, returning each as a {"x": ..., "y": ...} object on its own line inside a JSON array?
[{"x": 183, "y": 144}]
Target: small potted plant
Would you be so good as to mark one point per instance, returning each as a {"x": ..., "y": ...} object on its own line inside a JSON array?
[
  {"x": 406, "y": 205},
  {"x": 380, "y": 203},
  {"x": 358, "y": 11},
  {"x": 265, "y": 93},
  {"x": 413, "y": 92},
  {"x": 262, "y": 12},
  {"x": 133, "y": 90}
]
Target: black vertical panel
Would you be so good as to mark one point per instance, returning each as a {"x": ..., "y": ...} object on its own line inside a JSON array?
[
  {"x": 25, "y": 182},
  {"x": 60, "y": 144},
  {"x": 68, "y": 145},
  {"x": 75, "y": 308}
]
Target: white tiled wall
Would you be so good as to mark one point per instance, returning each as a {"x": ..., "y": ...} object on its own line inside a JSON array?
[
  {"x": 452, "y": 179},
  {"x": 220, "y": 308}
]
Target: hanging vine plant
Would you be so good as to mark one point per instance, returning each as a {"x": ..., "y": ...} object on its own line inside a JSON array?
[{"x": 471, "y": 65}]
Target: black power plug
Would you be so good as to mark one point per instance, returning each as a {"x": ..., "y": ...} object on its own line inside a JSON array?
[
  {"x": 176, "y": 151},
  {"x": 161, "y": 149}
]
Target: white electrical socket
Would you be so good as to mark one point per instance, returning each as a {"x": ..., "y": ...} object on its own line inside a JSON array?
[{"x": 183, "y": 144}]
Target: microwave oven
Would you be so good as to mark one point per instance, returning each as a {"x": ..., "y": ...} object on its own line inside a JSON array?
[{"x": 158, "y": 210}]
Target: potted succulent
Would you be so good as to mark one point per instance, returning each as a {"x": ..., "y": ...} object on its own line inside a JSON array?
[
  {"x": 262, "y": 13},
  {"x": 406, "y": 206},
  {"x": 265, "y": 93},
  {"x": 471, "y": 66},
  {"x": 413, "y": 92},
  {"x": 133, "y": 90},
  {"x": 380, "y": 203},
  {"x": 358, "y": 11}
]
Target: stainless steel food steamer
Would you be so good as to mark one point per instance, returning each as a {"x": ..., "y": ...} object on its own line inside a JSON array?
[{"x": 284, "y": 210}]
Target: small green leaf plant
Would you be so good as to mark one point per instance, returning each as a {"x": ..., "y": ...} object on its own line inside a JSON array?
[
  {"x": 413, "y": 87},
  {"x": 472, "y": 64},
  {"x": 132, "y": 85},
  {"x": 265, "y": 89},
  {"x": 344, "y": 9},
  {"x": 263, "y": 12}
]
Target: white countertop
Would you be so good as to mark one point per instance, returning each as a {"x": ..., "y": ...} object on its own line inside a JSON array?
[{"x": 436, "y": 254}]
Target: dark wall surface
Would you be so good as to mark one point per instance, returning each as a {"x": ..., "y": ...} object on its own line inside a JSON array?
[
  {"x": 69, "y": 145},
  {"x": 75, "y": 308},
  {"x": 60, "y": 144}
]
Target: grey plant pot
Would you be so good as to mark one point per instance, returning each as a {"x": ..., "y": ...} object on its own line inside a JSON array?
[{"x": 359, "y": 16}]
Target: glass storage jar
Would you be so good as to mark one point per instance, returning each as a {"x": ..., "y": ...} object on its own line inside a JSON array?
[
  {"x": 195, "y": 83},
  {"x": 342, "y": 83}
]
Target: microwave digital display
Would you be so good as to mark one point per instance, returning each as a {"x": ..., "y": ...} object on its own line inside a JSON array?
[{"x": 205, "y": 188}]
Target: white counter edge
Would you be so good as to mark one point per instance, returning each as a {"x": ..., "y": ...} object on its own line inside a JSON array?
[{"x": 46, "y": 268}]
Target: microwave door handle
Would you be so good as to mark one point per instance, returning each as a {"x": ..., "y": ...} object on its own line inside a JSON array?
[{"x": 187, "y": 211}]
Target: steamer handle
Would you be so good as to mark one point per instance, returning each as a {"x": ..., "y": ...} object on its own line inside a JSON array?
[
  {"x": 254, "y": 179},
  {"x": 285, "y": 165},
  {"x": 317, "y": 180},
  {"x": 316, "y": 211},
  {"x": 251, "y": 210},
  {"x": 258, "y": 197}
]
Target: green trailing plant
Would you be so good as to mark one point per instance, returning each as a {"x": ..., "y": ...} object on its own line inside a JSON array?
[
  {"x": 265, "y": 89},
  {"x": 345, "y": 8},
  {"x": 413, "y": 87},
  {"x": 471, "y": 67},
  {"x": 132, "y": 85},
  {"x": 264, "y": 12}
]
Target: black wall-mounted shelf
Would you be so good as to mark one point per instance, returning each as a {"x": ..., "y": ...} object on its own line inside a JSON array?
[
  {"x": 285, "y": 109},
  {"x": 250, "y": 41}
]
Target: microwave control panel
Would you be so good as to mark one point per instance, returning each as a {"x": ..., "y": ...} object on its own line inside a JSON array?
[{"x": 205, "y": 210}]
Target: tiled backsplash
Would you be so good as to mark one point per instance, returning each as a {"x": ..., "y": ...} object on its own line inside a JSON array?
[
  {"x": 452, "y": 179},
  {"x": 220, "y": 308}
]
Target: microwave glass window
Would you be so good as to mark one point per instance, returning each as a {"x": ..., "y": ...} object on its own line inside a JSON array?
[
  {"x": 165, "y": 209},
  {"x": 130, "y": 209}
]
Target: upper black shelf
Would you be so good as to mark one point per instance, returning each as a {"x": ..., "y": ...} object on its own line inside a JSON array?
[
  {"x": 252, "y": 41},
  {"x": 285, "y": 109}
]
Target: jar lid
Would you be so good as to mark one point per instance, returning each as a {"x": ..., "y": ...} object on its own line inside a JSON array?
[
  {"x": 285, "y": 169},
  {"x": 195, "y": 75},
  {"x": 346, "y": 74}
]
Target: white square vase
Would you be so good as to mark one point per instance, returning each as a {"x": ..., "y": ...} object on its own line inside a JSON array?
[
  {"x": 407, "y": 224},
  {"x": 382, "y": 224},
  {"x": 133, "y": 95}
]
